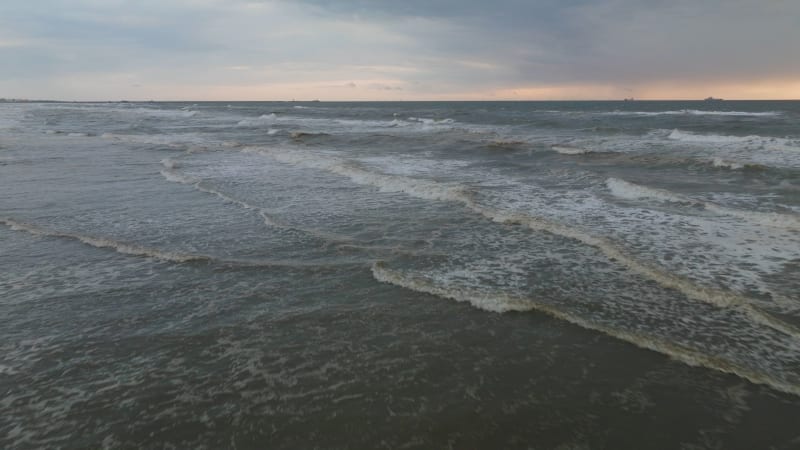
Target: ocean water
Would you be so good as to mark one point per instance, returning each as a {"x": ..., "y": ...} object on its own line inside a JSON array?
[{"x": 571, "y": 275}]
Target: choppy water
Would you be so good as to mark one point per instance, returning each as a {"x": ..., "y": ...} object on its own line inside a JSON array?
[{"x": 298, "y": 275}]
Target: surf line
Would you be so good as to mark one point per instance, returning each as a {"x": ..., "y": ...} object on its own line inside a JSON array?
[
  {"x": 119, "y": 247},
  {"x": 725, "y": 299},
  {"x": 506, "y": 303},
  {"x": 171, "y": 175},
  {"x": 147, "y": 252},
  {"x": 434, "y": 190},
  {"x": 169, "y": 172}
]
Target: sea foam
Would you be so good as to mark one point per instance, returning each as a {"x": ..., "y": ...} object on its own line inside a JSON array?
[
  {"x": 120, "y": 247},
  {"x": 433, "y": 190},
  {"x": 631, "y": 191},
  {"x": 499, "y": 302}
]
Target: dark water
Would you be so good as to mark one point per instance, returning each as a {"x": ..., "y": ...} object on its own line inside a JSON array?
[{"x": 571, "y": 275}]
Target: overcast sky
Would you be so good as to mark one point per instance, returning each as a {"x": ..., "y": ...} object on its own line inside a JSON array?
[{"x": 398, "y": 49}]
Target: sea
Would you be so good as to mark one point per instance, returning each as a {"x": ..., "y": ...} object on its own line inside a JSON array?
[{"x": 265, "y": 275}]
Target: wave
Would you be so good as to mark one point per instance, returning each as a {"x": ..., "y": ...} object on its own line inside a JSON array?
[
  {"x": 147, "y": 252},
  {"x": 498, "y": 302},
  {"x": 183, "y": 113},
  {"x": 751, "y": 140},
  {"x": 268, "y": 219},
  {"x": 330, "y": 125},
  {"x": 631, "y": 191},
  {"x": 694, "y": 112},
  {"x": 502, "y": 144},
  {"x": 431, "y": 122},
  {"x": 420, "y": 188},
  {"x": 260, "y": 121},
  {"x": 176, "y": 177},
  {"x": 119, "y": 247},
  {"x": 188, "y": 141},
  {"x": 169, "y": 163},
  {"x": 69, "y": 133},
  {"x": 569, "y": 150},
  {"x": 160, "y": 113},
  {"x": 434, "y": 190},
  {"x": 734, "y": 165}
]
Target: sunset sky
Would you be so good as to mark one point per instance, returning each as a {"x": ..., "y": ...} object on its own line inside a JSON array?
[{"x": 399, "y": 50}]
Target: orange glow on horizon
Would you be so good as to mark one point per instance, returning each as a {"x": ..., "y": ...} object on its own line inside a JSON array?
[{"x": 397, "y": 89}]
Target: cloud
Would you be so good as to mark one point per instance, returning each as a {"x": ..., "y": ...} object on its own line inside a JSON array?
[{"x": 424, "y": 49}]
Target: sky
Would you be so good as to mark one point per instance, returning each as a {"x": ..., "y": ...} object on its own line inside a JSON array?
[{"x": 399, "y": 49}]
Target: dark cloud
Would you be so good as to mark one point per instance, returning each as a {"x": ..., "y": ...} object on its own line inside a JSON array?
[
  {"x": 606, "y": 41},
  {"x": 434, "y": 46}
]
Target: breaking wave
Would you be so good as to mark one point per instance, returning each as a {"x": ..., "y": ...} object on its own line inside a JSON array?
[
  {"x": 147, "y": 252},
  {"x": 119, "y": 247},
  {"x": 265, "y": 215},
  {"x": 631, "y": 191},
  {"x": 719, "y": 162},
  {"x": 169, "y": 163},
  {"x": 425, "y": 189},
  {"x": 694, "y": 112},
  {"x": 570, "y": 150},
  {"x": 753, "y": 141},
  {"x": 499, "y": 302},
  {"x": 260, "y": 121},
  {"x": 433, "y": 190}
]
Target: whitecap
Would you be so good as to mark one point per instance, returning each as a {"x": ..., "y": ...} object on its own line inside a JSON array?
[
  {"x": 120, "y": 247},
  {"x": 569, "y": 150},
  {"x": 498, "y": 301},
  {"x": 631, "y": 191},
  {"x": 262, "y": 120},
  {"x": 434, "y": 190}
]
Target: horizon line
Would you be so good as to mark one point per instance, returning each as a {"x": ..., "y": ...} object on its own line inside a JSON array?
[{"x": 713, "y": 101}]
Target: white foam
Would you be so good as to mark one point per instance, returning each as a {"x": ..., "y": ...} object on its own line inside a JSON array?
[
  {"x": 169, "y": 163},
  {"x": 161, "y": 113},
  {"x": 753, "y": 141},
  {"x": 631, "y": 191},
  {"x": 262, "y": 120},
  {"x": 769, "y": 219},
  {"x": 694, "y": 112},
  {"x": 433, "y": 190},
  {"x": 136, "y": 250},
  {"x": 175, "y": 177},
  {"x": 120, "y": 247},
  {"x": 685, "y": 136},
  {"x": 265, "y": 215},
  {"x": 719, "y": 162},
  {"x": 431, "y": 122},
  {"x": 421, "y": 188},
  {"x": 500, "y": 302},
  {"x": 569, "y": 150}
]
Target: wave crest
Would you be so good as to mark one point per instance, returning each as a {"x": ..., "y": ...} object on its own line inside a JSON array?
[
  {"x": 499, "y": 302},
  {"x": 433, "y": 190},
  {"x": 119, "y": 247},
  {"x": 631, "y": 191}
]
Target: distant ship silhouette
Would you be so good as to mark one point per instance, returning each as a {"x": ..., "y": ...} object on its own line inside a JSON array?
[{"x": 712, "y": 99}]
